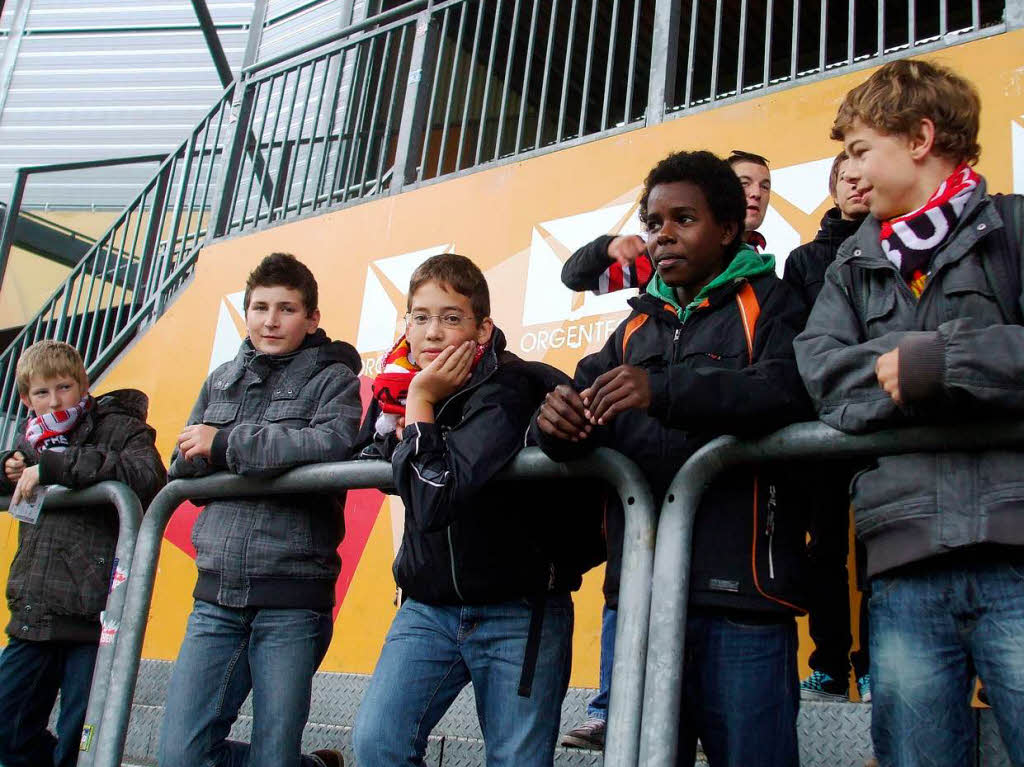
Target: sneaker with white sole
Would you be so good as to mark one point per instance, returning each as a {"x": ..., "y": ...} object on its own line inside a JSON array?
[
  {"x": 822, "y": 686},
  {"x": 864, "y": 688},
  {"x": 590, "y": 735}
]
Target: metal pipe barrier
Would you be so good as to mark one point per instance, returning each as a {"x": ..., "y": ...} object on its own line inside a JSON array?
[
  {"x": 530, "y": 464},
  {"x": 670, "y": 587},
  {"x": 129, "y": 516}
]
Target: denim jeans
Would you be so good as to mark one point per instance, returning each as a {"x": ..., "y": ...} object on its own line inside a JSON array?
[
  {"x": 741, "y": 692},
  {"x": 226, "y": 653},
  {"x": 932, "y": 629},
  {"x": 31, "y": 673},
  {"x": 431, "y": 652},
  {"x": 598, "y": 706}
]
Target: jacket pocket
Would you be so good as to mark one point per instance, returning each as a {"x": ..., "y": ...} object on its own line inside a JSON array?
[
  {"x": 290, "y": 412},
  {"x": 899, "y": 487},
  {"x": 88, "y": 579},
  {"x": 220, "y": 413}
]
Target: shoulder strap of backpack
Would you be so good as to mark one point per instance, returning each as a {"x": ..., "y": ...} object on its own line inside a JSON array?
[
  {"x": 1003, "y": 256},
  {"x": 634, "y": 324},
  {"x": 750, "y": 310}
]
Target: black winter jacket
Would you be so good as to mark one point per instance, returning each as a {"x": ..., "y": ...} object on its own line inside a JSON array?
[
  {"x": 469, "y": 539},
  {"x": 61, "y": 572},
  {"x": 704, "y": 385},
  {"x": 806, "y": 265}
]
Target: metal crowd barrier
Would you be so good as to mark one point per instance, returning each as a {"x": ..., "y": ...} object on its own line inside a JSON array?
[
  {"x": 129, "y": 514},
  {"x": 530, "y": 464},
  {"x": 670, "y": 588}
]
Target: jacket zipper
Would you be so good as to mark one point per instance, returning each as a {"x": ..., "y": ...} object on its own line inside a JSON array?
[
  {"x": 451, "y": 556},
  {"x": 770, "y": 530}
]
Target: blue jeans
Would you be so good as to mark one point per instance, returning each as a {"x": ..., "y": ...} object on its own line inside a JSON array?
[
  {"x": 432, "y": 652},
  {"x": 226, "y": 653},
  {"x": 598, "y": 706},
  {"x": 31, "y": 673},
  {"x": 741, "y": 692},
  {"x": 932, "y": 629}
]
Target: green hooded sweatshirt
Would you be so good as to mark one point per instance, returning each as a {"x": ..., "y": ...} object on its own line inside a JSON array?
[{"x": 747, "y": 264}]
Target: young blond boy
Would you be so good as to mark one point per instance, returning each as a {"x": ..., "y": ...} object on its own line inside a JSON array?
[
  {"x": 61, "y": 572},
  {"x": 919, "y": 322}
]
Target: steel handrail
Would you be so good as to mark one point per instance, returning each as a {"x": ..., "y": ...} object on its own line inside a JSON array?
[
  {"x": 670, "y": 587},
  {"x": 129, "y": 515},
  {"x": 530, "y": 464}
]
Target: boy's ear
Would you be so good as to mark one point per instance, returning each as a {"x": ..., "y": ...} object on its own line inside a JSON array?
[
  {"x": 484, "y": 331},
  {"x": 25, "y": 401},
  {"x": 921, "y": 141},
  {"x": 313, "y": 322},
  {"x": 729, "y": 232}
]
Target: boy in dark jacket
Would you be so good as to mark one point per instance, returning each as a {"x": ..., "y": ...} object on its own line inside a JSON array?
[
  {"x": 707, "y": 350},
  {"x": 826, "y": 486},
  {"x": 267, "y": 565},
  {"x": 483, "y": 571},
  {"x": 919, "y": 322},
  {"x": 62, "y": 570}
]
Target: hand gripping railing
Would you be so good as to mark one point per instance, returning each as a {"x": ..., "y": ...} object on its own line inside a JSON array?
[
  {"x": 129, "y": 515},
  {"x": 670, "y": 588},
  {"x": 530, "y": 464}
]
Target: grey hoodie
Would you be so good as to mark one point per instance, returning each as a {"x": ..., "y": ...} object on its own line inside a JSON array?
[
  {"x": 961, "y": 358},
  {"x": 274, "y": 413}
]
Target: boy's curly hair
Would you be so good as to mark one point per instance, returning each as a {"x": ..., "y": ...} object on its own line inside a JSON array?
[
  {"x": 714, "y": 177},
  {"x": 49, "y": 359},
  {"x": 284, "y": 269},
  {"x": 898, "y": 96}
]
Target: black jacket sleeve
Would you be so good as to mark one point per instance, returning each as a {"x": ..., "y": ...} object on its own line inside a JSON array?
[
  {"x": 762, "y": 396},
  {"x": 439, "y": 472},
  {"x": 584, "y": 268}
]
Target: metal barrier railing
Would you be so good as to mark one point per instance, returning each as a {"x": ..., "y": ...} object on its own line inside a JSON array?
[
  {"x": 671, "y": 577},
  {"x": 129, "y": 514},
  {"x": 634, "y": 591}
]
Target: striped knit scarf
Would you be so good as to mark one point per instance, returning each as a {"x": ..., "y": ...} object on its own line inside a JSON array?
[
  {"x": 50, "y": 431},
  {"x": 910, "y": 241}
]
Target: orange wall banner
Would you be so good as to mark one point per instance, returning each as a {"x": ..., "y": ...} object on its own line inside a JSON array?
[{"x": 520, "y": 222}]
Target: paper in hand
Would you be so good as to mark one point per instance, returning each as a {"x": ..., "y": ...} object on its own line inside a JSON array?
[{"x": 28, "y": 509}]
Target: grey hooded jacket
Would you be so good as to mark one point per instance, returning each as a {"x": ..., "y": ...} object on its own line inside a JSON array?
[
  {"x": 274, "y": 413},
  {"x": 961, "y": 358}
]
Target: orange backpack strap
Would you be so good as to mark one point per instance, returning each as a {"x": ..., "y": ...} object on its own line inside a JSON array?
[
  {"x": 632, "y": 326},
  {"x": 750, "y": 310}
]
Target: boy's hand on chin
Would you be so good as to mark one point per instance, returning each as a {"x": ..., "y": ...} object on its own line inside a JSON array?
[
  {"x": 563, "y": 415},
  {"x": 196, "y": 441},
  {"x": 444, "y": 375},
  {"x": 623, "y": 388}
]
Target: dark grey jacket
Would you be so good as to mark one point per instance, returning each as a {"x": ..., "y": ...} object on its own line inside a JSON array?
[
  {"x": 961, "y": 358},
  {"x": 274, "y": 413},
  {"x": 61, "y": 572}
]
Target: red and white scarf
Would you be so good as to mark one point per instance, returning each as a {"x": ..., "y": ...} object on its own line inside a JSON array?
[
  {"x": 50, "y": 431},
  {"x": 910, "y": 241},
  {"x": 391, "y": 386}
]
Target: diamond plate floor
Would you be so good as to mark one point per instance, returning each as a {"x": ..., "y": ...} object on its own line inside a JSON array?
[{"x": 831, "y": 734}]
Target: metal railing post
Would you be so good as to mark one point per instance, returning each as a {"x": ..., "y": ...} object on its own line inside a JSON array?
[
  {"x": 530, "y": 464},
  {"x": 129, "y": 514},
  {"x": 413, "y": 128},
  {"x": 233, "y": 158},
  {"x": 11, "y": 221},
  {"x": 664, "y": 54},
  {"x": 670, "y": 587}
]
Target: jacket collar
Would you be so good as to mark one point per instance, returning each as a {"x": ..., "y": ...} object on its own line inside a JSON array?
[{"x": 299, "y": 366}]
